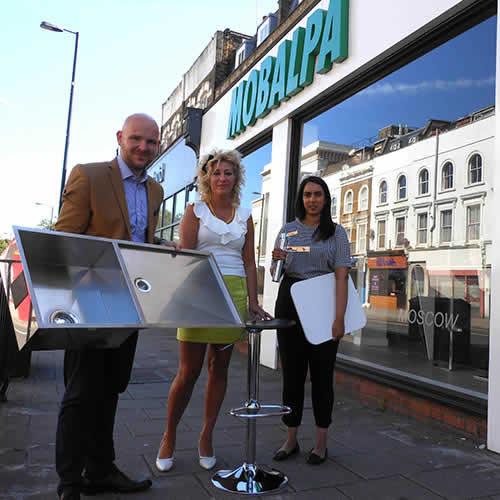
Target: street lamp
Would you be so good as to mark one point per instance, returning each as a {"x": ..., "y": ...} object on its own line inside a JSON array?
[
  {"x": 49, "y": 206},
  {"x": 52, "y": 27}
]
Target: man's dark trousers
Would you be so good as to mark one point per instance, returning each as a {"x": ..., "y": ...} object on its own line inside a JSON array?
[{"x": 93, "y": 379}]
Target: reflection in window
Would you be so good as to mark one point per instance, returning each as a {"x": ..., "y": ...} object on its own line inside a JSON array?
[
  {"x": 361, "y": 234},
  {"x": 381, "y": 234},
  {"x": 446, "y": 226},
  {"x": 180, "y": 205},
  {"x": 348, "y": 203},
  {"x": 383, "y": 192},
  {"x": 422, "y": 229},
  {"x": 402, "y": 187},
  {"x": 447, "y": 176},
  {"x": 475, "y": 169},
  {"x": 473, "y": 222},
  {"x": 400, "y": 231},
  {"x": 423, "y": 182},
  {"x": 363, "y": 198},
  {"x": 429, "y": 95},
  {"x": 334, "y": 206}
]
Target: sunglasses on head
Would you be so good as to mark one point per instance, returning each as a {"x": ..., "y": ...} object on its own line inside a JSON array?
[{"x": 204, "y": 168}]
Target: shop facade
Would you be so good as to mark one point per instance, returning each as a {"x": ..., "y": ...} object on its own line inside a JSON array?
[{"x": 397, "y": 113}]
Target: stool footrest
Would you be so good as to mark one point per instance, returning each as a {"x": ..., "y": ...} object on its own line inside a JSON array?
[{"x": 260, "y": 412}]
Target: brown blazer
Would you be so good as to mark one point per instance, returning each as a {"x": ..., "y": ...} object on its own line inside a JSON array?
[{"x": 94, "y": 203}]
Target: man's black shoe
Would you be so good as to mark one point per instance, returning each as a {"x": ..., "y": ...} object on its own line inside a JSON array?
[
  {"x": 115, "y": 481},
  {"x": 69, "y": 495}
]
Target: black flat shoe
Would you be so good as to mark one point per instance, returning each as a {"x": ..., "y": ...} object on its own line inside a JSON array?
[
  {"x": 313, "y": 459},
  {"x": 285, "y": 455}
]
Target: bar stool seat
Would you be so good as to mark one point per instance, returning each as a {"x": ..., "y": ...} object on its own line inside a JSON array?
[{"x": 250, "y": 478}]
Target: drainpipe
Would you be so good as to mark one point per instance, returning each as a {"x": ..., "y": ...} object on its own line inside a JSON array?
[{"x": 433, "y": 216}]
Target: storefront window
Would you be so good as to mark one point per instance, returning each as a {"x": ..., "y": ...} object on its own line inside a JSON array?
[
  {"x": 175, "y": 170},
  {"x": 422, "y": 138},
  {"x": 256, "y": 194}
]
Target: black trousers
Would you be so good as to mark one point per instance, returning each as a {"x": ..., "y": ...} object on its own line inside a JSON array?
[
  {"x": 297, "y": 355},
  {"x": 93, "y": 379}
]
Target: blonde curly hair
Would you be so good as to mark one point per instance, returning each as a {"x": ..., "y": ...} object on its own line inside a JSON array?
[{"x": 209, "y": 162}]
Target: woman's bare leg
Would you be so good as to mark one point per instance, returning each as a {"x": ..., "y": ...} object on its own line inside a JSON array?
[
  {"x": 217, "y": 366},
  {"x": 191, "y": 356}
]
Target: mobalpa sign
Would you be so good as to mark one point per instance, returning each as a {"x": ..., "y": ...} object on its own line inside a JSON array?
[{"x": 313, "y": 49}]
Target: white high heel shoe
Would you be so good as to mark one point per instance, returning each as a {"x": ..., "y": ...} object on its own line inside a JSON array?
[
  {"x": 207, "y": 463},
  {"x": 164, "y": 464}
]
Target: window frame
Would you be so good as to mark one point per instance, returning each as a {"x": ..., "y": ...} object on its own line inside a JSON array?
[
  {"x": 349, "y": 192},
  {"x": 396, "y": 232},
  {"x": 422, "y": 230},
  {"x": 421, "y": 183},
  {"x": 400, "y": 187},
  {"x": 364, "y": 189},
  {"x": 383, "y": 183},
  {"x": 442, "y": 227},
  {"x": 384, "y": 234},
  {"x": 333, "y": 207},
  {"x": 469, "y": 169},
  {"x": 452, "y": 176},
  {"x": 468, "y": 225}
]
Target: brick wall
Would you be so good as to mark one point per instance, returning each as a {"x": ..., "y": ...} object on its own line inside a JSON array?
[{"x": 386, "y": 398}]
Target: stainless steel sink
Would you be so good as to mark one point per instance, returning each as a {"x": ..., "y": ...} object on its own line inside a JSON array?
[{"x": 78, "y": 291}]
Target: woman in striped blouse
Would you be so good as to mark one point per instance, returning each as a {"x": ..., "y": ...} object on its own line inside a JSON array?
[{"x": 325, "y": 248}]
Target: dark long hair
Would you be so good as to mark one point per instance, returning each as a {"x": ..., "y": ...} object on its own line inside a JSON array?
[{"x": 326, "y": 226}]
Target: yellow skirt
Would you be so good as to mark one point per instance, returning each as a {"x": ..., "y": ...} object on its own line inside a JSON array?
[{"x": 237, "y": 286}]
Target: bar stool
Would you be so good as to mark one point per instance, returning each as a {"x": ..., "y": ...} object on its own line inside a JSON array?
[{"x": 250, "y": 478}]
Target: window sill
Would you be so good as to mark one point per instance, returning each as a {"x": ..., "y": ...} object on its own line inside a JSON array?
[{"x": 469, "y": 186}]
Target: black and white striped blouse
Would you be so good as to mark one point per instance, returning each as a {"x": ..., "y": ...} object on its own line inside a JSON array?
[{"x": 324, "y": 255}]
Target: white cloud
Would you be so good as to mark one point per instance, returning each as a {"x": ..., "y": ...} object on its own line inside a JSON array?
[
  {"x": 413, "y": 88},
  {"x": 3, "y": 101}
]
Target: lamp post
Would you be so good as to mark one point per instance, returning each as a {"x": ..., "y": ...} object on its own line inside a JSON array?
[
  {"x": 49, "y": 206},
  {"x": 51, "y": 27}
]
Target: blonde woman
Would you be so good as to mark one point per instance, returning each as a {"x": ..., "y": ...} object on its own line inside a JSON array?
[{"x": 215, "y": 224}]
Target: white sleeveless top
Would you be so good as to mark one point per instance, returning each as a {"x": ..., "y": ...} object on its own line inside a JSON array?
[{"x": 224, "y": 241}]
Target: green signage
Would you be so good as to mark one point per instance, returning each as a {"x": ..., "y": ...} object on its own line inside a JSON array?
[{"x": 313, "y": 49}]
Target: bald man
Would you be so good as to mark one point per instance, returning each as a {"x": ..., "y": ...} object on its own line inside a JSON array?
[{"x": 119, "y": 200}]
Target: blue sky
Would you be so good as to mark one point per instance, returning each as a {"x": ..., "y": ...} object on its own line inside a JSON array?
[
  {"x": 449, "y": 82},
  {"x": 132, "y": 54}
]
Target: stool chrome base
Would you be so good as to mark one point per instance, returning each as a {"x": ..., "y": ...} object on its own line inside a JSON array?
[{"x": 250, "y": 479}]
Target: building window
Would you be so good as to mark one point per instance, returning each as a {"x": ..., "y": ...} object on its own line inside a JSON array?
[
  {"x": 475, "y": 169},
  {"x": 400, "y": 231},
  {"x": 334, "y": 206},
  {"x": 446, "y": 226},
  {"x": 240, "y": 55},
  {"x": 361, "y": 236},
  {"x": 402, "y": 187},
  {"x": 421, "y": 229},
  {"x": 473, "y": 222},
  {"x": 423, "y": 182},
  {"x": 447, "y": 176},
  {"x": 348, "y": 203},
  {"x": 382, "y": 192},
  {"x": 363, "y": 199},
  {"x": 381, "y": 234},
  {"x": 263, "y": 32}
]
